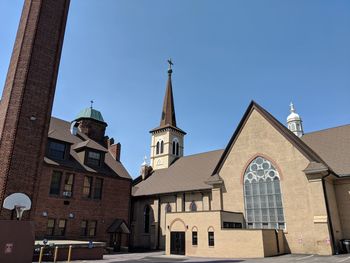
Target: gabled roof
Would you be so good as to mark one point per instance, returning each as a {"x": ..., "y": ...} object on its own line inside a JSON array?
[
  {"x": 188, "y": 173},
  {"x": 310, "y": 154},
  {"x": 60, "y": 130}
]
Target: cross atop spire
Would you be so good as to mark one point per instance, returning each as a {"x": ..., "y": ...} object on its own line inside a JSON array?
[
  {"x": 292, "y": 109},
  {"x": 91, "y": 103},
  {"x": 170, "y": 64},
  {"x": 168, "y": 113}
]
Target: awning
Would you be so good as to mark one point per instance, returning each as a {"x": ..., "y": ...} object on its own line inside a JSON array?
[{"x": 118, "y": 226}]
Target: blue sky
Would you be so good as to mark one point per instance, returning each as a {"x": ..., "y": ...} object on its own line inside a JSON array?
[{"x": 226, "y": 53}]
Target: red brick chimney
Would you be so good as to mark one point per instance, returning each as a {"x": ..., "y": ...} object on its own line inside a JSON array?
[{"x": 114, "y": 149}]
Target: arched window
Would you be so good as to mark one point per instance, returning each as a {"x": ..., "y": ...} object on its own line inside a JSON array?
[
  {"x": 174, "y": 147},
  {"x": 146, "y": 221},
  {"x": 161, "y": 146},
  {"x": 157, "y": 148},
  {"x": 168, "y": 208},
  {"x": 193, "y": 206},
  {"x": 262, "y": 195}
]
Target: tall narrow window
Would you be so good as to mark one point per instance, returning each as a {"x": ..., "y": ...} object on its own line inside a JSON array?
[
  {"x": 50, "y": 227},
  {"x": 211, "y": 239},
  {"x": 194, "y": 238},
  {"x": 87, "y": 186},
  {"x": 146, "y": 220},
  {"x": 161, "y": 147},
  {"x": 193, "y": 206},
  {"x": 177, "y": 149},
  {"x": 157, "y": 147},
  {"x": 92, "y": 228},
  {"x": 262, "y": 195},
  {"x": 83, "y": 228},
  {"x": 55, "y": 186},
  {"x": 174, "y": 147},
  {"x": 98, "y": 188},
  {"x": 57, "y": 150},
  {"x": 61, "y": 227},
  {"x": 68, "y": 185}
]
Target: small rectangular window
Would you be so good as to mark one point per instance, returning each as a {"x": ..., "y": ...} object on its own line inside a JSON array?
[
  {"x": 98, "y": 188},
  {"x": 211, "y": 239},
  {"x": 61, "y": 227},
  {"x": 232, "y": 225},
  {"x": 68, "y": 185},
  {"x": 94, "y": 158},
  {"x": 55, "y": 186},
  {"x": 50, "y": 227},
  {"x": 194, "y": 238},
  {"x": 83, "y": 228},
  {"x": 87, "y": 186},
  {"x": 92, "y": 228},
  {"x": 57, "y": 150}
]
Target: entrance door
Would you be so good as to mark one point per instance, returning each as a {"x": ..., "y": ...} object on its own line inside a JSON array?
[{"x": 177, "y": 243}]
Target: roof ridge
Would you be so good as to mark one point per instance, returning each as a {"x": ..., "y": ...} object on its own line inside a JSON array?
[
  {"x": 326, "y": 129},
  {"x": 191, "y": 155}
]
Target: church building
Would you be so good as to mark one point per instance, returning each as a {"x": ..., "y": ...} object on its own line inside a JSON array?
[{"x": 273, "y": 190}]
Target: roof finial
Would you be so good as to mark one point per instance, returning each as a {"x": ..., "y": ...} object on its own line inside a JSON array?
[
  {"x": 91, "y": 103},
  {"x": 292, "y": 109},
  {"x": 144, "y": 161},
  {"x": 170, "y": 64}
]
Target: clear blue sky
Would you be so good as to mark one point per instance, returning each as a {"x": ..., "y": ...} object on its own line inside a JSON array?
[{"x": 226, "y": 53}]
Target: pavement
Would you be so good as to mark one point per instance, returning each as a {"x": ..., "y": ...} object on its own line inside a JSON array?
[{"x": 159, "y": 257}]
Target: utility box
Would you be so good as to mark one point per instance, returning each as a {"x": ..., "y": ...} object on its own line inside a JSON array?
[{"x": 16, "y": 241}]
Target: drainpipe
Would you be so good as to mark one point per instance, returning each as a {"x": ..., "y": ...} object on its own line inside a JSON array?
[
  {"x": 335, "y": 248},
  {"x": 158, "y": 236}
]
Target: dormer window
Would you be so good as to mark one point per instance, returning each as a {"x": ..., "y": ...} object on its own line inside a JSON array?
[
  {"x": 93, "y": 158},
  {"x": 57, "y": 150}
]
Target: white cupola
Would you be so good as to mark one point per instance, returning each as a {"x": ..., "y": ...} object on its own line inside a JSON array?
[{"x": 294, "y": 122}]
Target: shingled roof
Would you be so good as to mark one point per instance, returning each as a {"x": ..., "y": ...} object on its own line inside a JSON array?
[
  {"x": 188, "y": 173},
  {"x": 60, "y": 130},
  {"x": 333, "y": 146}
]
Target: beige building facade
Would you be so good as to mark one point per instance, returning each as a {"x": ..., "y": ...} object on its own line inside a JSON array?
[{"x": 272, "y": 190}]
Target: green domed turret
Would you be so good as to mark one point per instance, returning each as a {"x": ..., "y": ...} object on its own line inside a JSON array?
[{"x": 90, "y": 113}]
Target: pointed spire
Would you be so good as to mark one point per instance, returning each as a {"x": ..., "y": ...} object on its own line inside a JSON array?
[{"x": 168, "y": 113}]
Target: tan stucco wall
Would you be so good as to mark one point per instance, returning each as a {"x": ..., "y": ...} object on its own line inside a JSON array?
[
  {"x": 342, "y": 192},
  {"x": 228, "y": 243},
  {"x": 144, "y": 240},
  {"x": 301, "y": 200}
]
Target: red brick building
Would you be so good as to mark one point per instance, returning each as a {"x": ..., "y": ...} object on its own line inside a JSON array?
[{"x": 84, "y": 190}]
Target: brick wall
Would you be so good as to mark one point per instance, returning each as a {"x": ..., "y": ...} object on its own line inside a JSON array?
[
  {"x": 28, "y": 96},
  {"x": 114, "y": 204}
]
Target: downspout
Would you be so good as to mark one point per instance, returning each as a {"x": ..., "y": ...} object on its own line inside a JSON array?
[
  {"x": 159, "y": 216},
  {"x": 335, "y": 248}
]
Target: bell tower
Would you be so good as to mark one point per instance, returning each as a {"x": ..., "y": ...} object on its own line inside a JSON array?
[
  {"x": 167, "y": 139},
  {"x": 294, "y": 122}
]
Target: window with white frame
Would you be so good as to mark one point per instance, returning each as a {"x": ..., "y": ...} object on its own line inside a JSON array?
[{"x": 262, "y": 195}]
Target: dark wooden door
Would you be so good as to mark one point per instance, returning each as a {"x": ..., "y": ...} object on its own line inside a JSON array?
[{"x": 177, "y": 243}]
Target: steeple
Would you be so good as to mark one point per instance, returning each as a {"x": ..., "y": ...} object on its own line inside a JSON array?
[
  {"x": 168, "y": 114},
  {"x": 167, "y": 138},
  {"x": 294, "y": 122}
]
